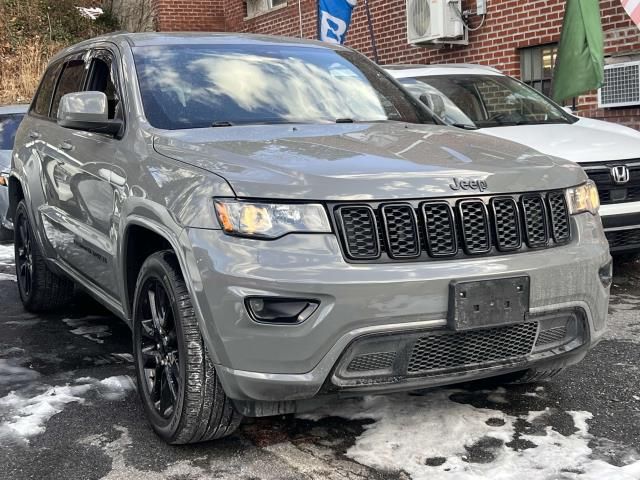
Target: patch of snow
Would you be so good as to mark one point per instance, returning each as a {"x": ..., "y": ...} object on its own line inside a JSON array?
[
  {"x": 7, "y": 255},
  {"x": 11, "y": 373},
  {"x": 408, "y": 430},
  {"x": 89, "y": 330},
  {"x": 23, "y": 416},
  {"x": 8, "y": 276},
  {"x": 89, "y": 12}
]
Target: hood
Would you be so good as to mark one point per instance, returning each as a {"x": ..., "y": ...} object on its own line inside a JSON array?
[
  {"x": 584, "y": 141},
  {"x": 379, "y": 161}
]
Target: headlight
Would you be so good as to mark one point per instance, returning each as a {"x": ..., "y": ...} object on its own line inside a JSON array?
[
  {"x": 583, "y": 198},
  {"x": 270, "y": 220}
]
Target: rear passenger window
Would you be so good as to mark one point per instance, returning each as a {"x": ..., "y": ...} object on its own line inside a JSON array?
[
  {"x": 43, "y": 97},
  {"x": 70, "y": 81}
]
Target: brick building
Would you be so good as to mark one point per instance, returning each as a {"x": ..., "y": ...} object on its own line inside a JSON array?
[{"x": 518, "y": 37}]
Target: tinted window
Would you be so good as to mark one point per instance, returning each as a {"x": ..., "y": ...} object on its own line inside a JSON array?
[
  {"x": 70, "y": 81},
  {"x": 493, "y": 100},
  {"x": 45, "y": 92},
  {"x": 8, "y": 126},
  {"x": 103, "y": 79},
  {"x": 195, "y": 86}
]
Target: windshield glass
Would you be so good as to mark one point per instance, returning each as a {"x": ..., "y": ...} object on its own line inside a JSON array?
[
  {"x": 486, "y": 100},
  {"x": 196, "y": 86},
  {"x": 8, "y": 127}
]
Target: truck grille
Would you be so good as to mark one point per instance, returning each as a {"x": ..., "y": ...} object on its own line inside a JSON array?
[
  {"x": 618, "y": 239},
  {"x": 457, "y": 349},
  {"x": 610, "y": 191},
  {"x": 431, "y": 229}
]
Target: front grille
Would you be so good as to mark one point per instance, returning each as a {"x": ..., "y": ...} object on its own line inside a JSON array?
[
  {"x": 623, "y": 238},
  {"x": 609, "y": 191},
  {"x": 372, "y": 361},
  {"x": 552, "y": 335},
  {"x": 451, "y": 228},
  {"x": 463, "y": 349}
]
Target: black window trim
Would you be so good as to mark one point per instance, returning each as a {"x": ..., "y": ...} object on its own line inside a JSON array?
[
  {"x": 31, "y": 112},
  {"x": 94, "y": 51}
]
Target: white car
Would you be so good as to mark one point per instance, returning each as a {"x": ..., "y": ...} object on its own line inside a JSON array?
[{"x": 484, "y": 99}]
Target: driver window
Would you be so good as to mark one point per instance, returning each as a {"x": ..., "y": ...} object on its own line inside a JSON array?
[{"x": 102, "y": 78}]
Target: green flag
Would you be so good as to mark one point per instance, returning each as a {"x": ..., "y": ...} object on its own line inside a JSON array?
[{"x": 580, "y": 63}]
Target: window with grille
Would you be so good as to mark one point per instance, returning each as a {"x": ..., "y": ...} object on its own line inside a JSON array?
[
  {"x": 257, "y": 7},
  {"x": 536, "y": 66}
]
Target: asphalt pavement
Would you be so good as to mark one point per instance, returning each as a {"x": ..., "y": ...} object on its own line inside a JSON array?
[{"x": 69, "y": 409}]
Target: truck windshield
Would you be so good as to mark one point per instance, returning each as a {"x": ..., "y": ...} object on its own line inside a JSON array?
[
  {"x": 485, "y": 100},
  {"x": 198, "y": 86}
]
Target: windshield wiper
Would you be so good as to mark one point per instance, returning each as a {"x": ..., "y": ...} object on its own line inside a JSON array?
[
  {"x": 465, "y": 126},
  {"x": 221, "y": 123},
  {"x": 344, "y": 120}
]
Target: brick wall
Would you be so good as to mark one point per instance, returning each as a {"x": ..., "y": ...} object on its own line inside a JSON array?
[
  {"x": 510, "y": 25},
  {"x": 190, "y": 15}
]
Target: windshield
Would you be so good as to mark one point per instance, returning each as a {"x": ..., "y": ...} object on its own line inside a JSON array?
[
  {"x": 8, "y": 127},
  {"x": 485, "y": 100},
  {"x": 197, "y": 86}
]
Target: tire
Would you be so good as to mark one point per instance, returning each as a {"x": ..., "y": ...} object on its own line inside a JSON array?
[
  {"x": 178, "y": 384},
  {"x": 41, "y": 290}
]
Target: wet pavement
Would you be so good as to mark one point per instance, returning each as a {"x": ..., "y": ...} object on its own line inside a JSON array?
[{"x": 69, "y": 409}]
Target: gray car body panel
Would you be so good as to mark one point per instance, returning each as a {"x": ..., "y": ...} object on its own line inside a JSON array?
[
  {"x": 5, "y": 165},
  {"x": 83, "y": 202}
]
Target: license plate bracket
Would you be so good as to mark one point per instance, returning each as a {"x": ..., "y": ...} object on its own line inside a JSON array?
[{"x": 488, "y": 303}]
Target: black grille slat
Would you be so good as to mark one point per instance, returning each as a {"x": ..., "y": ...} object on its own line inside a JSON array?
[
  {"x": 552, "y": 335},
  {"x": 440, "y": 228},
  {"x": 475, "y": 226},
  {"x": 506, "y": 223},
  {"x": 359, "y": 226},
  {"x": 401, "y": 230},
  {"x": 559, "y": 216},
  {"x": 623, "y": 238},
  {"x": 372, "y": 361},
  {"x": 419, "y": 230},
  {"x": 535, "y": 220},
  {"x": 453, "y": 350}
]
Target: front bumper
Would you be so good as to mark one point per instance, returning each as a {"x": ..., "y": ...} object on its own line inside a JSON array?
[
  {"x": 280, "y": 365},
  {"x": 621, "y": 224}
]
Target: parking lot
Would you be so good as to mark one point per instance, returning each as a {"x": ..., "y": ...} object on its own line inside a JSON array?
[{"x": 69, "y": 409}]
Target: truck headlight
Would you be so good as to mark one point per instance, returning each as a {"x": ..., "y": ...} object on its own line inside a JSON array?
[
  {"x": 270, "y": 220},
  {"x": 583, "y": 198}
]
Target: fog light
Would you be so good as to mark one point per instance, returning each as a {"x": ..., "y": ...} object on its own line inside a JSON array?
[
  {"x": 288, "y": 311},
  {"x": 606, "y": 274}
]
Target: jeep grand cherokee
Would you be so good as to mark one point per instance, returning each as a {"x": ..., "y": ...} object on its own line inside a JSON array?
[{"x": 278, "y": 221}]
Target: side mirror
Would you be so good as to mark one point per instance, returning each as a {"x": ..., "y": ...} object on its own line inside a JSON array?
[{"x": 88, "y": 111}]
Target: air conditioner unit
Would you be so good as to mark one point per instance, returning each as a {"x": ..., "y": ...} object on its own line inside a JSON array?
[
  {"x": 434, "y": 21},
  {"x": 621, "y": 85}
]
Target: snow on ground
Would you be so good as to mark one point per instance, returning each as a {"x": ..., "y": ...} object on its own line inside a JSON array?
[
  {"x": 433, "y": 437},
  {"x": 23, "y": 416},
  {"x": 11, "y": 373},
  {"x": 6, "y": 255},
  {"x": 87, "y": 327}
]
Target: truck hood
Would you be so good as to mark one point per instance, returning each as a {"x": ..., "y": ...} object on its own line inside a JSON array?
[
  {"x": 363, "y": 161},
  {"x": 584, "y": 141}
]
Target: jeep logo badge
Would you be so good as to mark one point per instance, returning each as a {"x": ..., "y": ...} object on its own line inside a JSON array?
[{"x": 462, "y": 184}]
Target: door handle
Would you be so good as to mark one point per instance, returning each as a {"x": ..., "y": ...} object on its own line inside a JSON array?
[
  {"x": 33, "y": 134},
  {"x": 65, "y": 146}
]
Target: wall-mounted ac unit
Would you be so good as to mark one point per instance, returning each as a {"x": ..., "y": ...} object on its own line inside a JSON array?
[
  {"x": 621, "y": 85},
  {"x": 434, "y": 21}
]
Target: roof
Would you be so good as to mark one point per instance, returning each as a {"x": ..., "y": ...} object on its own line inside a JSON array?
[
  {"x": 16, "y": 108},
  {"x": 146, "y": 39},
  {"x": 404, "y": 71}
]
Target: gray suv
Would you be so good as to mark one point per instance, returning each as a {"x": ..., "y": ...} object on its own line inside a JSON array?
[{"x": 278, "y": 221}]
